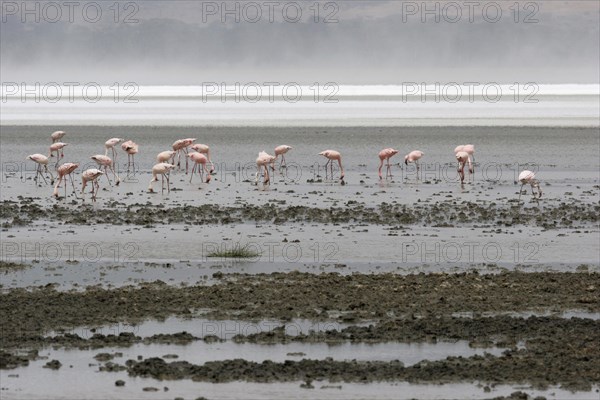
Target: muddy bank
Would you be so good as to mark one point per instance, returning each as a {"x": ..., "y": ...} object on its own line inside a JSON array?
[
  {"x": 567, "y": 365},
  {"x": 501, "y": 331},
  {"x": 445, "y": 213},
  {"x": 285, "y": 296}
]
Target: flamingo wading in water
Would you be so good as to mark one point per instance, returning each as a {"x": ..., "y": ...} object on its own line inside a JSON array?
[
  {"x": 110, "y": 145},
  {"x": 414, "y": 157},
  {"x": 131, "y": 148},
  {"x": 204, "y": 149},
  {"x": 200, "y": 161},
  {"x": 528, "y": 177},
  {"x": 106, "y": 163},
  {"x": 164, "y": 170},
  {"x": 65, "y": 171},
  {"x": 91, "y": 175},
  {"x": 262, "y": 161},
  {"x": 281, "y": 151},
  {"x": 58, "y": 149},
  {"x": 42, "y": 163},
  {"x": 384, "y": 155},
  {"x": 469, "y": 149},
  {"x": 331, "y": 156},
  {"x": 181, "y": 147},
  {"x": 56, "y": 136},
  {"x": 165, "y": 156},
  {"x": 463, "y": 158}
]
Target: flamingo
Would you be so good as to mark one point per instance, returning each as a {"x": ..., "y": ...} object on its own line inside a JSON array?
[
  {"x": 528, "y": 177},
  {"x": 332, "y": 155},
  {"x": 165, "y": 156},
  {"x": 56, "y": 136},
  {"x": 131, "y": 148},
  {"x": 42, "y": 162},
  {"x": 386, "y": 154},
  {"x": 463, "y": 158},
  {"x": 469, "y": 149},
  {"x": 281, "y": 151},
  {"x": 200, "y": 161},
  {"x": 181, "y": 146},
  {"x": 106, "y": 163},
  {"x": 204, "y": 149},
  {"x": 414, "y": 157},
  {"x": 163, "y": 169},
  {"x": 58, "y": 149},
  {"x": 263, "y": 161},
  {"x": 91, "y": 175},
  {"x": 65, "y": 171},
  {"x": 110, "y": 145}
]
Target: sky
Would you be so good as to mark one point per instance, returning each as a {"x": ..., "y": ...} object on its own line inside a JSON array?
[{"x": 346, "y": 42}]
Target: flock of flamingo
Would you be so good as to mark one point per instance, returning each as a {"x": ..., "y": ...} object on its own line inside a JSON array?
[{"x": 201, "y": 157}]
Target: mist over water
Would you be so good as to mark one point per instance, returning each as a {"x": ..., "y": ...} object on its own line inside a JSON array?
[{"x": 376, "y": 42}]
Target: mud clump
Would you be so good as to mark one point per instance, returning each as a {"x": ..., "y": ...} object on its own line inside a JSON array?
[{"x": 54, "y": 364}]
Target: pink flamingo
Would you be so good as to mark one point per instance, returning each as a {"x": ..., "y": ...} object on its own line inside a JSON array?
[
  {"x": 263, "y": 161},
  {"x": 281, "y": 151},
  {"x": 56, "y": 136},
  {"x": 165, "y": 156},
  {"x": 386, "y": 154},
  {"x": 58, "y": 149},
  {"x": 110, "y": 145},
  {"x": 163, "y": 169},
  {"x": 331, "y": 156},
  {"x": 463, "y": 158},
  {"x": 200, "y": 161},
  {"x": 65, "y": 171},
  {"x": 42, "y": 163},
  {"x": 131, "y": 148},
  {"x": 181, "y": 146},
  {"x": 91, "y": 175},
  {"x": 414, "y": 157},
  {"x": 106, "y": 163},
  {"x": 204, "y": 149},
  {"x": 469, "y": 149},
  {"x": 528, "y": 177}
]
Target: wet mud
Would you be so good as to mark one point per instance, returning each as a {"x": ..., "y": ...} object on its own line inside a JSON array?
[
  {"x": 445, "y": 213},
  {"x": 541, "y": 351}
]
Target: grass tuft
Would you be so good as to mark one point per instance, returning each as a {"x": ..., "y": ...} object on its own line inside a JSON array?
[{"x": 236, "y": 252}]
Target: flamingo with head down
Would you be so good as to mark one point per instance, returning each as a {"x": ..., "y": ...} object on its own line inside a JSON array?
[
  {"x": 42, "y": 163},
  {"x": 333, "y": 155},
  {"x": 164, "y": 170},
  {"x": 384, "y": 155},
  {"x": 65, "y": 171},
  {"x": 91, "y": 175}
]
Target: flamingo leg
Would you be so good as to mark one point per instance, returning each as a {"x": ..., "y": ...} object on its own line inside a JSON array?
[
  {"x": 186, "y": 152},
  {"x": 193, "y": 170},
  {"x": 283, "y": 163},
  {"x": 389, "y": 169},
  {"x": 114, "y": 171},
  {"x": 326, "y": 168},
  {"x": 207, "y": 173},
  {"x": 72, "y": 184},
  {"x": 169, "y": 182},
  {"x": 49, "y": 173},
  {"x": 106, "y": 174},
  {"x": 520, "y": 192},
  {"x": 266, "y": 175}
]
